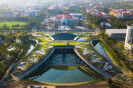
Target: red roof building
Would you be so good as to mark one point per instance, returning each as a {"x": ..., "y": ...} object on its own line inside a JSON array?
[
  {"x": 122, "y": 13},
  {"x": 65, "y": 19},
  {"x": 60, "y": 16},
  {"x": 98, "y": 13}
]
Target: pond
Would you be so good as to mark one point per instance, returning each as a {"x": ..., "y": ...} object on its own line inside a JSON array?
[
  {"x": 63, "y": 66},
  {"x": 63, "y": 76}
]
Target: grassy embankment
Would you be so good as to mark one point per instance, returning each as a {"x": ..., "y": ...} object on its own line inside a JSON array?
[{"x": 112, "y": 55}]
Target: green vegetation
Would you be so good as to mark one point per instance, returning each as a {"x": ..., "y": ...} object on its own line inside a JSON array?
[
  {"x": 8, "y": 57},
  {"x": 40, "y": 51},
  {"x": 114, "y": 50},
  {"x": 112, "y": 84},
  {"x": 64, "y": 67},
  {"x": 12, "y": 25},
  {"x": 58, "y": 43},
  {"x": 91, "y": 72},
  {"x": 111, "y": 54},
  {"x": 65, "y": 43}
]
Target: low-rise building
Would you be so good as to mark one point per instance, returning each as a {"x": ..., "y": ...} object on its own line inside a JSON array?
[
  {"x": 124, "y": 34},
  {"x": 77, "y": 15},
  {"x": 122, "y": 13},
  {"x": 116, "y": 33},
  {"x": 98, "y": 13},
  {"x": 10, "y": 14},
  {"x": 64, "y": 19}
]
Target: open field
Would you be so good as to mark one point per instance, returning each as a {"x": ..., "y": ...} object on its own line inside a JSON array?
[{"x": 10, "y": 23}]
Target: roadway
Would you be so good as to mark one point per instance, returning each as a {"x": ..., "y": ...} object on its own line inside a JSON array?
[{"x": 48, "y": 30}]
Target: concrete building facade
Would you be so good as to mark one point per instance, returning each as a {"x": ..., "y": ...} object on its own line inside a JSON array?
[
  {"x": 119, "y": 34},
  {"x": 129, "y": 38}
]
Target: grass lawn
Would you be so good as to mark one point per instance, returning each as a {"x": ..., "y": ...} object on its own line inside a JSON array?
[
  {"x": 64, "y": 43},
  {"x": 58, "y": 43},
  {"x": 76, "y": 43},
  {"x": 10, "y": 23}
]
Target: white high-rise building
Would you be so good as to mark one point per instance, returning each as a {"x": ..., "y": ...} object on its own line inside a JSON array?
[{"x": 129, "y": 38}]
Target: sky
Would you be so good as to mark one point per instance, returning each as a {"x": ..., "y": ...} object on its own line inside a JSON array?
[
  {"x": 1, "y": 1},
  {"x": 5, "y": 1}
]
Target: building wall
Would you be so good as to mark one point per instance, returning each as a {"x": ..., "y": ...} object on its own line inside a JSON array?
[
  {"x": 118, "y": 36},
  {"x": 128, "y": 40},
  {"x": 128, "y": 35}
]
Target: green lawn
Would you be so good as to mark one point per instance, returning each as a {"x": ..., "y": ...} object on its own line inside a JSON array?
[
  {"x": 10, "y": 23},
  {"x": 58, "y": 43},
  {"x": 65, "y": 43}
]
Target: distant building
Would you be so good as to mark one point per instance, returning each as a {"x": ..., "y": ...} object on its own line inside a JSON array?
[
  {"x": 129, "y": 38},
  {"x": 125, "y": 34},
  {"x": 119, "y": 34},
  {"x": 98, "y": 13},
  {"x": 128, "y": 0},
  {"x": 33, "y": 13},
  {"x": 122, "y": 13},
  {"x": 107, "y": 25},
  {"x": 64, "y": 19},
  {"x": 24, "y": 14},
  {"x": 29, "y": 13},
  {"x": 77, "y": 15},
  {"x": 9, "y": 14},
  {"x": 53, "y": 7}
]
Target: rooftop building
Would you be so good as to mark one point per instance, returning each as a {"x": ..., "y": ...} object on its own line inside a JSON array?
[
  {"x": 64, "y": 19},
  {"x": 116, "y": 33},
  {"x": 98, "y": 13},
  {"x": 122, "y": 13}
]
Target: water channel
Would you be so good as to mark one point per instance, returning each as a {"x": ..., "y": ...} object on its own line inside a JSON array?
[{"x": 63, "y": 76}]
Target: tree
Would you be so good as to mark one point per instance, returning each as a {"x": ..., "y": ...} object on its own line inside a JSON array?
[
  {"x": 56, "y": 24},
  {"x": 79, "y": 24},
  {"x": 5, "y": 26},
  {"x": 42, "y": 26},
  {"x": 111, "y": 83},
  {"x": 13, "y": 26},
  {"x": 72, "y": 25},
  {"x": 17, "y": 26},
  {"x": 10, "y": 39},
  {"x": 93, "y": 26}
]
